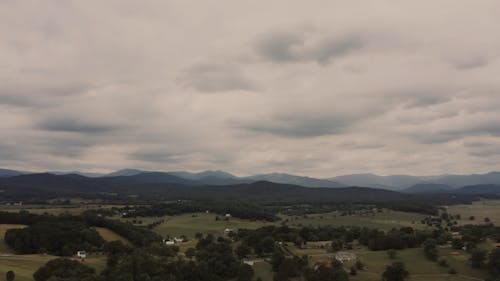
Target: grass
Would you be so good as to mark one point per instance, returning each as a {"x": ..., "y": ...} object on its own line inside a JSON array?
[
  {"x": 190, "y": 224},
  {"x": 263, "y": 270},
  {"x": 385, "y": 220},
  {"x": 3, "y": 228},
  {"x": 418, "y": 265},
  {"x": 479, "y": 209},
  {"x": 25, "y": 265},
  {"x": 73, "y": 209},
  {"x": 110, "y": 235}
]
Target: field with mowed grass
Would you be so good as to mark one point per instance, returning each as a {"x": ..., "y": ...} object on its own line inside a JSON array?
[
  {"x": 73, "y": 209},
  {"x": 385, "y": 220},
  {"x": 190, "y": 224},
  {"x": 480, "y": 210},
  {"x": 25, "y": 265},
  {"x": 110, "y": 235}
]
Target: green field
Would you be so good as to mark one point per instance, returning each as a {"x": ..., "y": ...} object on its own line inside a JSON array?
[
  {"x": 190, "y": 224},
  {"x": 110, "y": 235},
  {"x": 420, "y": 268},
  {"x": 74, "y": 209},
  {"x": 385, "y": 220},
  {"x": 25, "y": 265},
  {"x": 479, "y": 209}
]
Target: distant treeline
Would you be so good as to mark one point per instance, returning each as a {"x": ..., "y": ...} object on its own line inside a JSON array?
[
  {"x": 261, "y": 240},
  {"x": 236, "y": 209}
]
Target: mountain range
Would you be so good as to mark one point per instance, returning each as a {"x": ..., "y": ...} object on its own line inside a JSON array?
[{"x": 402, "y": 183}]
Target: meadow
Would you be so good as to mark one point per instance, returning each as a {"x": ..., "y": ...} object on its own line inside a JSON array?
[{"x": 480, "y": 210}]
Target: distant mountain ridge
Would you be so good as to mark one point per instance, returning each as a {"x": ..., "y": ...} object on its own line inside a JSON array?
[{"x": 403, "y": 183}]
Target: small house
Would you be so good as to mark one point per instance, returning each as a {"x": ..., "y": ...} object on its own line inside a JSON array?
[{"x": 81, "y": 254}]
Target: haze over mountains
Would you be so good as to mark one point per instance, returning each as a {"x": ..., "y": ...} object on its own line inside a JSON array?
[{"x": 403, "y": 183}]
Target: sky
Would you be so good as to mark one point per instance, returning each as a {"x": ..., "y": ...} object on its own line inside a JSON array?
[{"x": 318, "y": 88}]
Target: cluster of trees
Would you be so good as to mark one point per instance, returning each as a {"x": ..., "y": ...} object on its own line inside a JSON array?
[
  {"x": 57, "y": 237},
  {"x": 139, "y": 236},
  {"x": 65, "y": 269},
  {"x": 261, "y": 240},
  {"x": 65, "y": 234},
  {"x": 237, "y": 209}
]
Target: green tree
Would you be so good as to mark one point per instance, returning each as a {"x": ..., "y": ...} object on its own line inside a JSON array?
[
  {"x": 190, "y": 252},
  {"x": 10, "y": 275},
  {"x": 242, "y": 250},
  {"x": 392, "y": 254},
  {"x": 245, "y": 273},
  {"x": 64, "y": 269},
  {"x": 395, "y": 272},
  {"x": 477, "y": 258},
  {"x": 494, "y": 261},
  {"x": 430, "y": 249}
]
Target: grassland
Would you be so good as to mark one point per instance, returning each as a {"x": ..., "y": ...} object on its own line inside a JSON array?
[
  {"x": 190, "y": 224},
  {"x": 110, "y": 235},
  {"x": 25, "y": 265},
  {"x": 419, "y": 267},
  {"x": 73, "y": 209},
  {"x": 479, "y": 209},
  {"x": 385, "y": 220}
]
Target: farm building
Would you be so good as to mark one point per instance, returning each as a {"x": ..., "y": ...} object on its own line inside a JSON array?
[
  {"x": 345, "y": 256},
  {"x": 81, "y": 254}
]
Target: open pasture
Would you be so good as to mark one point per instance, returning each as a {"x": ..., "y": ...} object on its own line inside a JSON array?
[
  {"x": 385, "y": 220},
  {"x": 480, "y": 210}
]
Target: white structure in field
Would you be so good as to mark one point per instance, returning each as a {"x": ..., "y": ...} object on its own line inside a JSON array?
[
  {"x": 345, "y": 256},
  {"x": 81, "y": 254}
]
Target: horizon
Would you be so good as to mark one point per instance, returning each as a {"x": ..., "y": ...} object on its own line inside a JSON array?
[
  {"x": 317, "y": 89},
  {"x": 245, "y": 175}
]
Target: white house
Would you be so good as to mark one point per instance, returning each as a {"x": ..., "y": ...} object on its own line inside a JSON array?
[
  {"x": 345, "y": 256},
  {"x": 81, "y": 254},
  {"x": 228, "y": 215}
]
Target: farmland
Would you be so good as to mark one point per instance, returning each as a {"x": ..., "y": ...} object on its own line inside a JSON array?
[{"x": 480, "y": 210}]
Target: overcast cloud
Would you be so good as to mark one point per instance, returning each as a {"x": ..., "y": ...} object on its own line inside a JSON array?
[{"x": 317, "y": 88}]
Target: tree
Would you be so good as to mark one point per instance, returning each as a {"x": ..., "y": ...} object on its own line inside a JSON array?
[
  {"x": 277, "y": 259},
  {"x": 477, "y": 258},
  {"x": 487, "y": 219},
  {"x": 457, "y": 243},
  {"x": 10, "y": 275},
  {"x": 359, "y": 265},
  {"x": 494, "y": 261},
  {"x": 190, "y": 252},
  {"x": 395, "y": 272},
  {"x": 392, "y": 254},
  {"x": 245, "y": 273},
  {"x": 242, "y": 250},
  {"x": 430, "y": 249},
  {"x": 66, "y": 269}
]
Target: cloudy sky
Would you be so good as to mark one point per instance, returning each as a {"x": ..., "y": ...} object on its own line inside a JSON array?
[{"x": 318, "y": 88}]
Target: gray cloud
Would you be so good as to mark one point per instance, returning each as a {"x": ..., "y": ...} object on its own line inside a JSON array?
[
  {"x": 298, "y": 46},
  {"x": 298, "y": 126},
  {"x": 26, "y": 95},
  {"x": 320, "y": 89},
  {"x": 75, "y": 125},
  {"x": 470, "y": 63},
  {"x": 153, "y": 156},
  {"x": 214, "y": 77}
]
